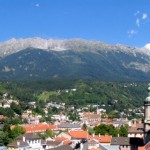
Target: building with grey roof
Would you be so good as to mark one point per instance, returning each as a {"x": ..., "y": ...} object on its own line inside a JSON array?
[
  {"x": 69, "y": 126},
  {"x": 109, "y": 147},
  {"x": 127, "y": 142},
  {"x": 63, "y": 147},
  {"x": 3, "y": 148}
]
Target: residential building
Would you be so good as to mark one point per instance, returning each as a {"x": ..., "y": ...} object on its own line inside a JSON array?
[
  {"x": 123, "y": 142},
  {"x": 103, "y": 139},
  {"x": 63, "y": 147},
  {"x": 69, "y": 126},
  {"x": 28, "y": 141},
  {"x": 40, "y": 127},
  {"x": 89, "y": 117},
  {"x": 53, "y": 144},
  {"x": 76, "y": 136},
  {"x": 19, "y": 145},
  {"x": 126, "y": 143},
  {"x": 136, "y": 130},
  {"x": 93, "y": 144}
]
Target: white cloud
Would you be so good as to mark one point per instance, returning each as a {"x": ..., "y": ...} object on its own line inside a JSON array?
[
  {"x": 144, "y": 16},
  {"x": 138, "y": 22},
  {"x": 37, "y": 5},
  {"x": 131, "y": 32},
  {"x": 147, "y": 46},
  {"x": 140, "y": 18},
  {"x": 136, "y": 13}
]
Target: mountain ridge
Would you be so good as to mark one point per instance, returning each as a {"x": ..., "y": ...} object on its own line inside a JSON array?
[
  {"x": 72, "y": 59},
  {"x": 14, "y": 45}
]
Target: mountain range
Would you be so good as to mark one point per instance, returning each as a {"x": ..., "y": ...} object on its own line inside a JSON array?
[{"x": 36, "y": 58}]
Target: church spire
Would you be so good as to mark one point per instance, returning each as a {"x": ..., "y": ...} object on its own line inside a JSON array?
[{"x": 147, "y": 116}]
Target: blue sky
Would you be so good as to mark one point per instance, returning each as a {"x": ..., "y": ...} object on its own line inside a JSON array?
[{"x": 111, "y": 21}]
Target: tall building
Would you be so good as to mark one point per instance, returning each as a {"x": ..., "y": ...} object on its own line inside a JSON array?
[{"x": 147, "y": 117}]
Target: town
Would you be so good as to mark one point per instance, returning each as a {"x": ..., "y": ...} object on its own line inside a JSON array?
[{"x": 55, "y": 126}]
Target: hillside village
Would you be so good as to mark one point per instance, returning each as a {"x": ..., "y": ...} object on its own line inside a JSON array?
[{"x": 56, "y": 126}]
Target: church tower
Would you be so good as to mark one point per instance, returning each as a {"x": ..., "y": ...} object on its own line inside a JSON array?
[{"x": 147, "y": 117}]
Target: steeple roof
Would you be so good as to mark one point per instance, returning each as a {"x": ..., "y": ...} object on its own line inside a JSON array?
[{"x": 148, "y": 98}]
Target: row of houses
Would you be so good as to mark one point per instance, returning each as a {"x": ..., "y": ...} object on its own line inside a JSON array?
[{"x": 76, "y": 139}]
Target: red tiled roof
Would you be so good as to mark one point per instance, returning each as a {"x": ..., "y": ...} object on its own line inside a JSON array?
[
  {"x": 41, "y": 127},
  {"x": 94, "y": 148},
  {"x": 140, "y": 148},
  {"x": 101, "y": 138},
  {"x": 60, "y": 139},
  {"x": 79, "y": 134},
  {"x": 64, "y": 140},
  {"x": 67, "y": 142}
]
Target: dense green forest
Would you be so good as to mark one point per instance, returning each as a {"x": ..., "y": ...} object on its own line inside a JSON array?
[{"x": 118, "y": 95}]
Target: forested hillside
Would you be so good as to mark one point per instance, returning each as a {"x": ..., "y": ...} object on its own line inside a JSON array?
[{"x": 114, "y": 95}]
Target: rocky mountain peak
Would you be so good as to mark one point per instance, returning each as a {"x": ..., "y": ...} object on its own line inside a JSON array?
[{"x": 14, "y": 45}]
